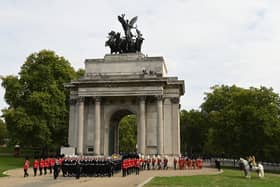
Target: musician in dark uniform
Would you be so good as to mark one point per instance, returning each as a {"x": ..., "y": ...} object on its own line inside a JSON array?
[{"x": 78, "y": 169}]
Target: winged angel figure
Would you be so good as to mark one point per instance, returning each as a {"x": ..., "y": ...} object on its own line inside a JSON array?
[{"x": 127, "y": 26}]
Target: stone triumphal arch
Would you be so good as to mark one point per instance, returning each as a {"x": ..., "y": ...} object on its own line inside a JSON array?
[{"x": 119, "y": 85}]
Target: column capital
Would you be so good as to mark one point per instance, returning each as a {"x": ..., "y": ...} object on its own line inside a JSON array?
[
  {"x": 159, "y": 97},
  {"x": 142, "y": 98},
  {"x": 80, "y": 99},
  {"x": 72, "y": 101},
  {"x": 175, "y": 100},
  {"x": 97, "y": 99}
]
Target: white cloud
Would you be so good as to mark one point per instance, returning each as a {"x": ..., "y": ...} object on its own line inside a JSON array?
[{"x": 203, "y": 42}]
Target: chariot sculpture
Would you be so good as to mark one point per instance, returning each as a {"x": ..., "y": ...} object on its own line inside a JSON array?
[{"x": 130, "y": 43}]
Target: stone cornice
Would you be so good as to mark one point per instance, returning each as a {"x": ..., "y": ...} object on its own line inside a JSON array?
[{"x": 129, "y": 83}]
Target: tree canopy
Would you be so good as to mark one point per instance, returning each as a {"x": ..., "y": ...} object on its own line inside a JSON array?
[
  {"x": 3, "y": 132},
  {"x": 194, "y": 131},
  {"x": 38, "y": 103},
  {"x": 238, "y": 122}
]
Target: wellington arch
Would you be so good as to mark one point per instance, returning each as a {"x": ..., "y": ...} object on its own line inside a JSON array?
[{"x": 119, "y": 85}]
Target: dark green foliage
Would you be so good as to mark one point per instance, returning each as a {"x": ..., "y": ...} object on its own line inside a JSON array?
[
  {"x": 3, "y": 132},
  {"x": 38, "y": 103},
  {"x": 194, "y": 131},
  {"x": 128, "y": 133},
  {"x": 80, "y": 73},
  {"x": 234, "y": 122},
  {"x": 243, "y": 122}
]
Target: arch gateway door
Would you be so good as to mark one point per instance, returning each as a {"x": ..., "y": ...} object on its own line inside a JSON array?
[{"x": 118, "y": 85}]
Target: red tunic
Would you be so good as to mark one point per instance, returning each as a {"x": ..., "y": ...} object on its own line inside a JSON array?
[
  {"x": 52, "y": 161},
  {"x": 36, "y": 164},
  {"x": 42, "y": 163},
  {"x": 137, "y": 163},
  {"x": 124, "y": 165},
  {"x": 46, "y": 163},
  {"x": 26, "y": 164}
]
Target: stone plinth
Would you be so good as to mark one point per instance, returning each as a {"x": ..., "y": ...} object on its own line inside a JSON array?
[{"x": 126, "y": 64}]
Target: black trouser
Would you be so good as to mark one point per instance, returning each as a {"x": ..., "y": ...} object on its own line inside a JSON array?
[
  {"x": 45, "y": 170},
  {"x": 25, "y": 173},
  {"x": 123, "y": 172},
  {"x": 137, "y": 169},
  {"x": 78, "y": 171},
  {"x": 55, "y": 172},
  {"x": 35, "y": 171},
  {"x": 41, "y": 171}
]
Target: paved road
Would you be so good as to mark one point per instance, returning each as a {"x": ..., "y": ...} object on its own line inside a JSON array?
[{"x": 16, "y": 179}]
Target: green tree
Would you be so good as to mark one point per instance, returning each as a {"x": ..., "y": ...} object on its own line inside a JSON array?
[
  {"x": 3, "y": 132},
  {"x": 38, "y": 103},
  {"x": 194, "y": 131},
  {"x": 243, "y": 122},
  {"x": 128, "y": 133}
]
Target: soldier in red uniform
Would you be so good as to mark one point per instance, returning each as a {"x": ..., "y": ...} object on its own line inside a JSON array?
[
  {"x": 165, "y": 162},
  {"x": 35, "y": 166},
  {"x": 199, "y": 163},
  {"x": 153, "y": 162},
  {"x": 41, "y": 165},
  {"x": 193, "y": 164},
  {"x": 181, "y": 162},
  {"x": 159, "y": 162},
  {"x": 142, "y": 162},
  {"x": 137, "y": 166},
  {"x": 51, "y": 164},
  {"x": 189, "y": 163},
  {"x": 25, "y": 167},
  {"x": 148, "y": 162},
  {"x": 46, "y": 165},
  {"x": 124, "y": 167},
  {"x": 175, "y": 162}
]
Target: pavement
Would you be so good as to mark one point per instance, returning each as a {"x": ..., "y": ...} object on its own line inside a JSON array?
[{"x": 16, "y": 179}]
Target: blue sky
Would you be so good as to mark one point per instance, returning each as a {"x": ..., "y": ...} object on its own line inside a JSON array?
[{"x": 204, "y": 42}]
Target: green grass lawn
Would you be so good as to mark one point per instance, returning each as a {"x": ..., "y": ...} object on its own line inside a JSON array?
[
  {"x": 229, "y": 178},
  {"x": 8, "y": 162}
]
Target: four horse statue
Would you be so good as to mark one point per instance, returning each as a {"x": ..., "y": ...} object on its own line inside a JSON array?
[
  {"x": 245, "y": 165},
  {"x": 128, "y": 44}
]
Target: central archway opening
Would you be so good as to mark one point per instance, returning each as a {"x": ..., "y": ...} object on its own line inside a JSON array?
[{"x": 123, "y": 132}]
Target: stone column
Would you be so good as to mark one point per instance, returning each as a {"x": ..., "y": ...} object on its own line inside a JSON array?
[
  {"x": 176, "y": 125},
  {"x": 80, "y": 125},
  {"x": 142, "y": 143},
  {"x": 72, "y": 123},
  {"x": 97, "y": 126},
  {"x": 160, "y": 125}
]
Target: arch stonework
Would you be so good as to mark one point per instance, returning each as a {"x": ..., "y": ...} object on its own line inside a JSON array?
[{"x": 125, "y": 82}]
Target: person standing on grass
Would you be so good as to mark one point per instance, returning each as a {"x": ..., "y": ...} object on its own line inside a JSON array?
[
  {"x": 35, "y": 166},
  {"x": 25, "y": 167}
]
